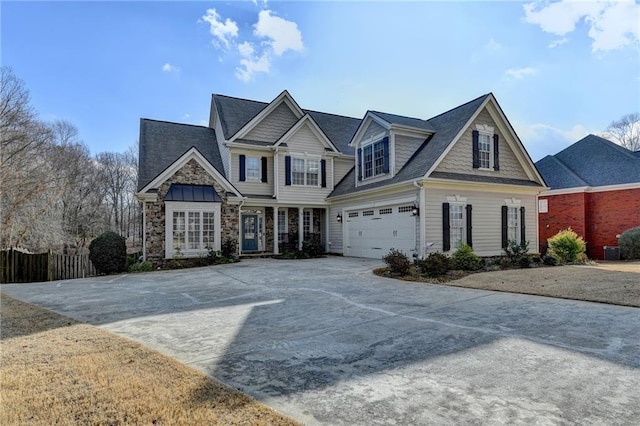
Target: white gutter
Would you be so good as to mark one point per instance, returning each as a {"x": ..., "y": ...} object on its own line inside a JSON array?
[{"x": 421, "y": 208}]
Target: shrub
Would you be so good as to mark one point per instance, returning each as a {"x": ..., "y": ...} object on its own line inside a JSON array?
[
  {"x": 145, "y": 266},
  {"x": 630, "y": 244},
  {"x": 567, "y": 246},
  {"x": 549, "y": 260},
  {"x": 228, "y": 248},
  {"x": 516, "y": 251},
  {"x": 464, "y": 258},
  {"x": 312, "y": 248},
  {"x": 435, "y": 265},
  {"x": 108, "y": 253},
  {"x": 397, "y": 261}
]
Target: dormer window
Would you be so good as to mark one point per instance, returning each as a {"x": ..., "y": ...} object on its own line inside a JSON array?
[{"x": 374, "y": 159}]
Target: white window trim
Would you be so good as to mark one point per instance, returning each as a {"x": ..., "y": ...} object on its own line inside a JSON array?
[
  {"x": 309, "y": 214},
  {"x": 516, "y": 204},
  {"x": 370, "y": 142},
  {"x": 305, "y": 158},
  {"x": 180, "y": 206},
  {"x": 258, "y": 178},
  {"x": 463, "y": 236},
  {"x": 485, "y": 130},
  {"x": 284, "y": 210}
]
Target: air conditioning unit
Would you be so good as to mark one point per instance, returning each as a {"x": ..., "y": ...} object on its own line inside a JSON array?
[{"x": 611, "y": 253}]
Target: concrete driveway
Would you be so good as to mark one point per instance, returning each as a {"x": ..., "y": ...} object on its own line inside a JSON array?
[{"x": 328, "y": 342}]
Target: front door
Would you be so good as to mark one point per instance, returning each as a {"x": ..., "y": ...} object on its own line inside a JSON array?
[{"x": 250, "y": 232}]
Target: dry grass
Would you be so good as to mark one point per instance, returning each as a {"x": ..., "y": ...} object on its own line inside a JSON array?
[{"x": 54, "y": 370}]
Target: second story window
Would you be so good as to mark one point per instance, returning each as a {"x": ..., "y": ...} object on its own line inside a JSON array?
[
  {"x": 484, "y": 148},
  {"x": 374, "y": 159},
  {"x": 253, "y": 169},
  {"x": 305, "y": 171}
]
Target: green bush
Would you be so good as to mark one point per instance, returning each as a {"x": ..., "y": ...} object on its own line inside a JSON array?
[
  {"x": 516, "y": 251},
  {"x": 145, "y": 266},
  {"x": 312, "y": 248},
  {"x": 435, "y": 264},
  {"x": 108, "y": 253},
  {"x": 549, "y": 260},
  {"x": 397, "y": 261},
  {"x": 630, "y": 244},
  {"x": 228, "y": 248},
  {"x": 464, "y": 258},
  {"x": 567, "y": 246}
]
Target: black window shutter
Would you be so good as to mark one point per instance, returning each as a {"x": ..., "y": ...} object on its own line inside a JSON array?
[
  {"x": 264, "y": 169},
  {"x": 446, "y": 230},
  {"x": 496, "y": 152},
  {"x": 505, "y": 237},
  {"x": 469, "y": 227},
  {"x": 385, "y": 150},
  {"x": 287, "y": 170},
  {"x": 243, "y": 171},
  {"x": 476, "y": 150},
  {"x": 359, "y": 163},
  {"x": 323, "y": 171},
  {"x": 523, "y": 238}
]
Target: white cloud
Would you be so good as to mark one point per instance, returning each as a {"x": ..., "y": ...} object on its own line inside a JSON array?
[
  {"x": 558, "y": 42},
  {"x": 246, "y": 49},
  {"x": 520, "y": 73},
  {"x": 224, "y": 32},
  {"x": 612, "y": 24},
  {"x": 252, "y": 66},
  {"x": 170, "y": 68},
  {"x": 542, "y": 139},
  {"x": 283, "y": 35},
  {"x": 493, "y": 45}
]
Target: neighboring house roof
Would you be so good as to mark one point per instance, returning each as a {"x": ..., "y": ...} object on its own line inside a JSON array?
[
  {"x": 592, "y": 161},
  {"x": 235, "y": 113},
  {"x": 162, "y": 142},
  {"x": 192, "y": 193},
  {"x": 405, "y": 121},
  {"x": 446, "y": 126}
]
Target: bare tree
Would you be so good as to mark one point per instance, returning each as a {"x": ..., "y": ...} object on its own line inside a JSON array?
[
  {"x": 116, "y": 171},
  {"x": 626, "y": 131}
]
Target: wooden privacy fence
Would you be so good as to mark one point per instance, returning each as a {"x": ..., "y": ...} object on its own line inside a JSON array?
[{"x": 19, "y": 267}]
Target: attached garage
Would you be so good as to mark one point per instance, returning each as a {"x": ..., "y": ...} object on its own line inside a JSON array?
[{"x": 372, "y": 232}]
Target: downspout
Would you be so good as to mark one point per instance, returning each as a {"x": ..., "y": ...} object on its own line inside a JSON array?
[{"x": 422, "y": 227}]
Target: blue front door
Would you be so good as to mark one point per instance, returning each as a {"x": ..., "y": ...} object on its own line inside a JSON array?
[{"x": 250, "y": 232}]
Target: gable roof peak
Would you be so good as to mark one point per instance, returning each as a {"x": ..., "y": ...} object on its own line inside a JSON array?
[{"x": 483, "y": 97}]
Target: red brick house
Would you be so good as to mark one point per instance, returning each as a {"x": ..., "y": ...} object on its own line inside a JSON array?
[{"x": 594, "y": 189}]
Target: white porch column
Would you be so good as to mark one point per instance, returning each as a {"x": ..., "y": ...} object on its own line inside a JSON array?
[
  {"x": 144, "y": 231},
  {"x": 421, "y": 219},
  {"x": 275, "y": 231},
  {"x": 300, "y": 227},
  {"x": 326, "y": 229}
]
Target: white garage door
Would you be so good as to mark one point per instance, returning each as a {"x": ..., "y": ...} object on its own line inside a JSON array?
[{"x": 373, "y": 232}]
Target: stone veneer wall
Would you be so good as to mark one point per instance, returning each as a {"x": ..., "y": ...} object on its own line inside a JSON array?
[
  {"x": 190, "y": 174},
  {"x": 268, "y": 229}
]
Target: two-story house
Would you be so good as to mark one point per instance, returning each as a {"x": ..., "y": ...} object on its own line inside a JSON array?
[{"x": 271, "y": 175}]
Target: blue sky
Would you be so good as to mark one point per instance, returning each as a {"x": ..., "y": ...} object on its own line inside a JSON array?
[{"x": 560, "y": 70}]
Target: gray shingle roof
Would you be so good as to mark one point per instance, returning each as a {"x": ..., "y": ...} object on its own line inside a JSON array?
[
  {"x": 592, "y": 161},
  {"x": 162, "y": 143},
  {"x": 446, "y": 125},
  {"x": 405, "y": 121},
  {"x": 235, "y": 113},
  {"x": 487, "y": 179}
]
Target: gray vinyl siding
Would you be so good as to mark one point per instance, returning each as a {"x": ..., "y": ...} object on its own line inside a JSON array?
[
  {"x": 303, "y": 142},
  {"x": 341, "y": 168},
  {"x": 460, "y": 158},
  {"x": 375, "y": 200},
  {"x": 373, "y": 129},
  {"x": 405, "y": 147},
  {"x": 486, "y": 215},
  {"x": 273, "y": 125},
  {"x": 252, "y": 188},
  {"x": 224, "y": 151}
]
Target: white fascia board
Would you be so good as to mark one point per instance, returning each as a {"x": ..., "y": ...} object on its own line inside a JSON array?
[
  {"x": 282, "y": 97},
  {"x": 457, "y": 137},
  {"x": 366, "y": 192},
  {"x": 590, "y": 189},
  {"x": 192, "y": 154},
  {"x": 246, "y": 146},
  {"x": 410, "y": 131},
  {"x": 148, "y": 196},
  {"x": 482, "y": 186}
]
